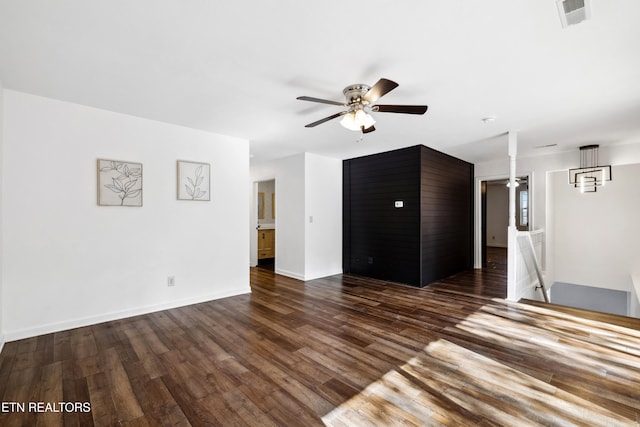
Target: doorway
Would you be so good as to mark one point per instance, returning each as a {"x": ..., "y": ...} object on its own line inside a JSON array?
[
  {"x": 495, "y": 218},
  {"x": 266, "y": 224}
]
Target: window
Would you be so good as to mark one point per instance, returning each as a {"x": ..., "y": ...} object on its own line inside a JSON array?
[{"x": 524, "y": 208}]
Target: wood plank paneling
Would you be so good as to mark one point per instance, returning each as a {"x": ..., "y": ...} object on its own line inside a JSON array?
[
  {"x": 429, "y": 238},
  {"x": 383, "y": 241},
  {"x": 447, "y": 215}
]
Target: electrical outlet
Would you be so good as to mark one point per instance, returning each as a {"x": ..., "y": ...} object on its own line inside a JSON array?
[{"x": 171, "y": 281}]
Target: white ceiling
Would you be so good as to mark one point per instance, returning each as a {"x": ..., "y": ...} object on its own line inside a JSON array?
[{"x": 236, "y": 68}]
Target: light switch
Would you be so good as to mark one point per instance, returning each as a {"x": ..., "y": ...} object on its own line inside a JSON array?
[{"x": 399, "y": 204}]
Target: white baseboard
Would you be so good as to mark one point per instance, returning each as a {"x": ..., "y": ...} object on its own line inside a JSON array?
[
  {"x": 1, "y": 342},
  {"x": 289, "y": 274},
  {"x": 306, "y": 278},
  {"x": 107, "y": 317},
  {"x": 323, "y": 274}
]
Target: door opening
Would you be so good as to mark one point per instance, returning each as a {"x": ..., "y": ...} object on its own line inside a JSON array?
[
  {"x": 495, "y": 219},
  {"x": 266, "y": 224}
]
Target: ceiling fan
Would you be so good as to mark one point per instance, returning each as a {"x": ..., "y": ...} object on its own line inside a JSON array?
[{"x": 360, "y": 102}]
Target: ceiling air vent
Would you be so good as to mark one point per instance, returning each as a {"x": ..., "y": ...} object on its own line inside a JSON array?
[{"x": 573, "y": 11}]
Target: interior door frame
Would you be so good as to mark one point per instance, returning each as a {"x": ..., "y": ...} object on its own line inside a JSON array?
[
  {"x": 483, "y": 221},
  {"x": 253, "y": 220},
  {"x": 479, "y": 255}
]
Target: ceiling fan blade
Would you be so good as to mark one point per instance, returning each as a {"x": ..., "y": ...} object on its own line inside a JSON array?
[
  {"x": 322, "y": 101},
  {"x": 369, "y": 129},
  {"x": 378, "y": 90},
  {"x": 405, "y": 109},
  {"x": 326, "y": 119}
]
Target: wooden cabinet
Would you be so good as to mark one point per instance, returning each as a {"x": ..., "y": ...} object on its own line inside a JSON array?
[{"x": 266, "y": 244}]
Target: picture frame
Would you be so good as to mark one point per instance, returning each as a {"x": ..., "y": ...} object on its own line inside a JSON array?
[
  {"x": 194, "y": 181},
  {"x": 119, "y": 183}
]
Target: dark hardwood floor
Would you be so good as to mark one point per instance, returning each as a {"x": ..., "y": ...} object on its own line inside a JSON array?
[
  {"x": 496, "y": 259},
  {"x": 340, "y": 351}
]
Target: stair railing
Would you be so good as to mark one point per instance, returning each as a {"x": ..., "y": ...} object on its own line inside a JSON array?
[{"x": 531, "y": 261}]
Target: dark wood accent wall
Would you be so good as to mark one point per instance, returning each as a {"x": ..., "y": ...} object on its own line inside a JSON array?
[
  {"x": 446, "y": 215},
  {"x": 383, "y": 241},
  {"x": 427, "y": 239}
]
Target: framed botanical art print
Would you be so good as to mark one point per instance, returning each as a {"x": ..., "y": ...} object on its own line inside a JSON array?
[
  {"x": 119, "y": 183},
  {"x": 194, "y": 181}
]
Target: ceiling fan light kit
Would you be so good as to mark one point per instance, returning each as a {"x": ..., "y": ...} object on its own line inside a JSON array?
[
  {"x": 360, "y": 99},
  {"x": 357, "y": 120}
]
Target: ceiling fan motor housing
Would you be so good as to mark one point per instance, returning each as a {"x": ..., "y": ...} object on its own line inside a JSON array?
[{"x": 355, "y": 93}]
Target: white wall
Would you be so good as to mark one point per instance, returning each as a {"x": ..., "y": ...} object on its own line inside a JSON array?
[
  {"x": 1, "y": 222},
  {"x": 323, "y": 212},
  {"x": 289, "y": 175},
  {"x": 69, "y": 262},
  {"x": 306, "y": 185},
  {"x": 497, "y": 214},
  {"x": 597, "y": 235}
]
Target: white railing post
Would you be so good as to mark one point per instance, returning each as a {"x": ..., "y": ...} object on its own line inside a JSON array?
[
  {"x": 512, "y": 277},
  {"x": 634, "y": 308}
]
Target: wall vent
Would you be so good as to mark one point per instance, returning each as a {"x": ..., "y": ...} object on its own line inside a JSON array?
[{"x": 573, "y": 11}]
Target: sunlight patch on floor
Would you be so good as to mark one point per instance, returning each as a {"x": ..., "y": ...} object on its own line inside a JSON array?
[{"x": 447, "y": 383}]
